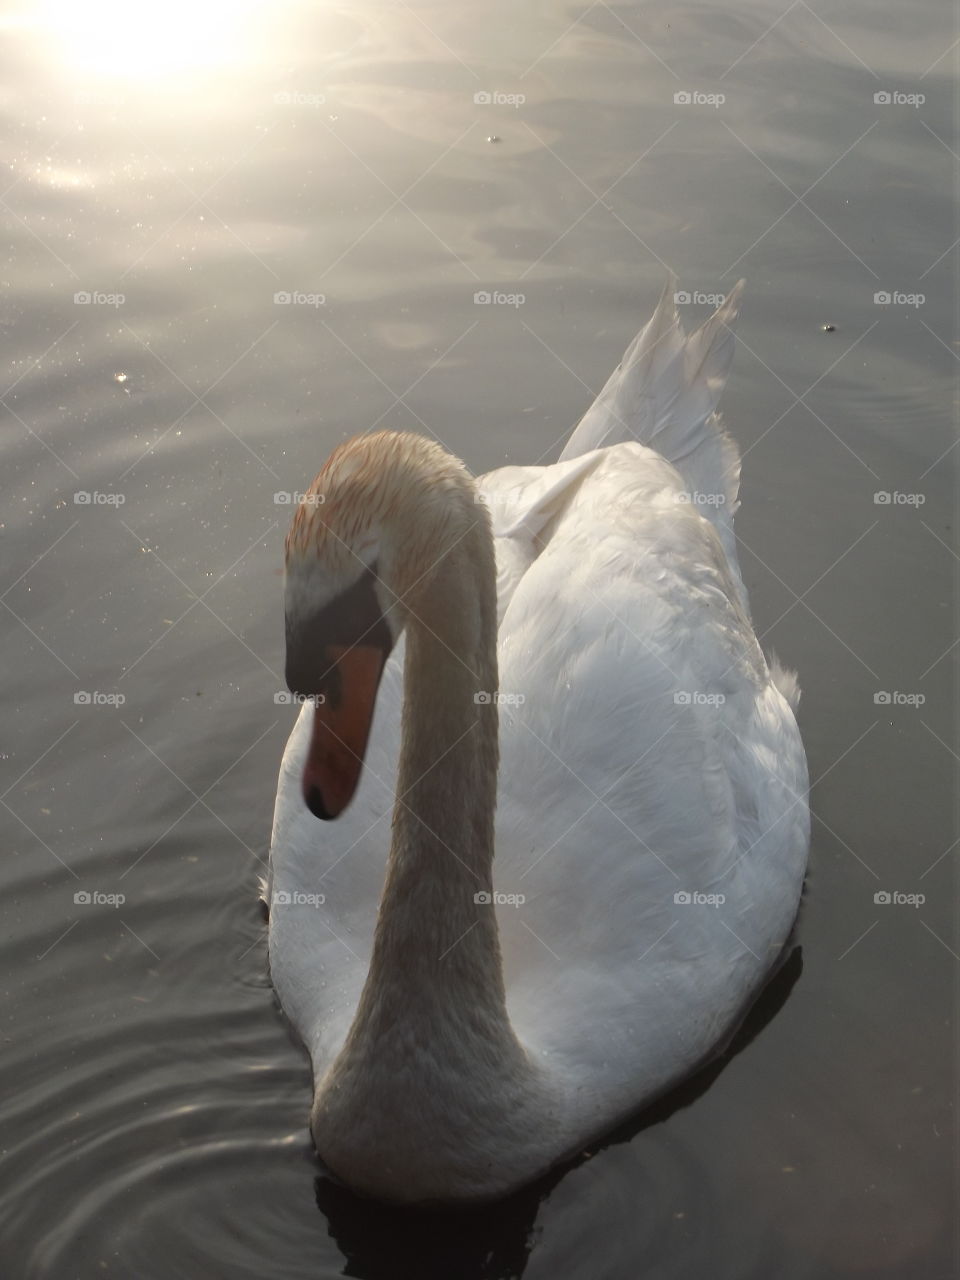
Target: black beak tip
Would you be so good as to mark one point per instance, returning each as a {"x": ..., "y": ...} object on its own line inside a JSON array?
[{"x": 314, "y": 802}]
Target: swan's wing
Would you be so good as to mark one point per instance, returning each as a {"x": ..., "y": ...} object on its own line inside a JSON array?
[
  {"x": 652, "y": 755},
  {"x": 522, "y": 502}
]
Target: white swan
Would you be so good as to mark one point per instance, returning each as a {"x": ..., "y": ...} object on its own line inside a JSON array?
[{"x": 651, "y": 806}]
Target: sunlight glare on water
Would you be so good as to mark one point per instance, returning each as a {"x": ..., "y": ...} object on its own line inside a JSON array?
[{"x": 152, "y": 43}]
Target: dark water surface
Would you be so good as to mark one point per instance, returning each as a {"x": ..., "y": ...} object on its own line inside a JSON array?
[{"x": 199, "y": 159}]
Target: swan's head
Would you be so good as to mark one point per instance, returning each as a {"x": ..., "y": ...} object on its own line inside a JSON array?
[{"x": 364, "y": 545}]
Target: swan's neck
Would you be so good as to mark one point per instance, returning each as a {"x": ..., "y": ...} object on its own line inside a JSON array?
[
  {"x": 432, "y": 1094},
  {"x": 436, "y": 955}
]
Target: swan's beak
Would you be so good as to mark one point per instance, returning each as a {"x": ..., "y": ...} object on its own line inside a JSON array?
[
  {"x": 336, "y": 658},
  {"x": 341, "y": 727}
]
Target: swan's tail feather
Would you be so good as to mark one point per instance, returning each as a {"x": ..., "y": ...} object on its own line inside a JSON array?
[
  {"x": 786, "y": 681},
  {"x": 667, "y": 385},
  {"x": 664, "y": 394}
]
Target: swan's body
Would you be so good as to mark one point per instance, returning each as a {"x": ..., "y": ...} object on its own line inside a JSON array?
[{"x": 654, "y": 753}]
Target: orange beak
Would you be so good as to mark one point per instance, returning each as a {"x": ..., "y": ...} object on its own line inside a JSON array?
[
  {"x": 335, "y": 657},
  {"x": 341, "y": 726}
]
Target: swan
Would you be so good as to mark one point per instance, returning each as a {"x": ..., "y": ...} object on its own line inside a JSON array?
[{"x": 554, "y": 665}]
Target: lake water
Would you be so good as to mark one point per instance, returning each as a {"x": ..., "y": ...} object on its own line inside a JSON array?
[{"x": 183, "y": 167}]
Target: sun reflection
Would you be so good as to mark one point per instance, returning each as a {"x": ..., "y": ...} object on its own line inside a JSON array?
[{"x": 122, "y": 41}]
